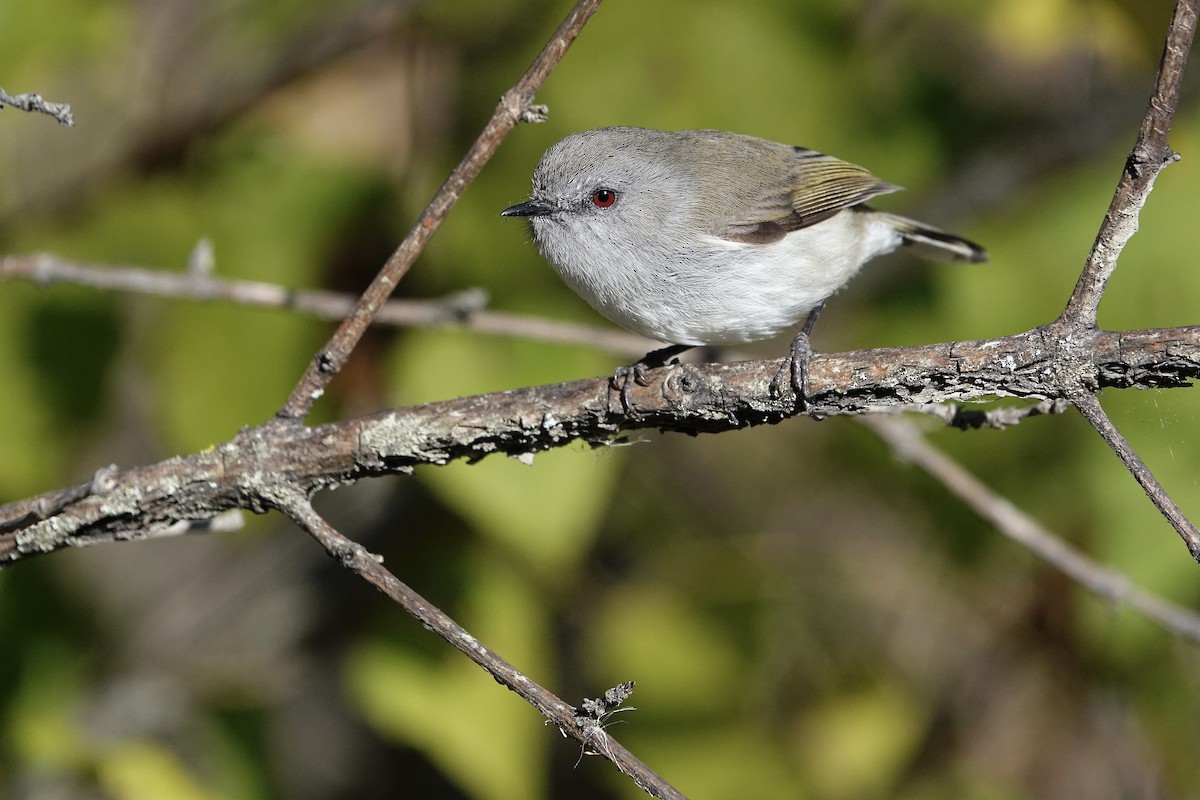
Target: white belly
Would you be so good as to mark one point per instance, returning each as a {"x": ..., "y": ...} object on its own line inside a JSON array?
[{"x": 723, "y": 292}]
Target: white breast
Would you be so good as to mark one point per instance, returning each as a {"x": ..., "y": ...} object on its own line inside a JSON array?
[{"x": 723, "y": 292}]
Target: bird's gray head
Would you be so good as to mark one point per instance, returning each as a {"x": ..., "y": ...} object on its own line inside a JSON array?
[{"x": 606, "y": 188}]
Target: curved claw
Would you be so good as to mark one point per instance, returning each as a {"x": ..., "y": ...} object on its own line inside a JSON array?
[
  {"x": 637, "y": 371},
  {"x": 796, "y": 363},
  {"x": 795, "y": 366},
  {"x": 624, "y": 379}
]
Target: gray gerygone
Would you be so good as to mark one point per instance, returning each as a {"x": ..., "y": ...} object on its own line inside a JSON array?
[{"x": 707, "y": 237}]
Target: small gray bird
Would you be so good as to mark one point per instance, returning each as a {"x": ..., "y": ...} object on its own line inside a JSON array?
[{"x": 706, "y": 237}]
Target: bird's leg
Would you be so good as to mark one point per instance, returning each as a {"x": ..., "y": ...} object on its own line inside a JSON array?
[
  {"x": 796, "y": 363},
  {"x": 626, "y": 377}
]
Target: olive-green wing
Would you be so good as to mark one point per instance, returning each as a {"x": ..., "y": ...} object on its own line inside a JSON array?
[{"x": 817, "y": 187}]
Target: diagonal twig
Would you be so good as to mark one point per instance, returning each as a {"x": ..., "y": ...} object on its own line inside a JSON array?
[
  {"x": 910, "y": 446},
  {"x": 295, "y": 504},
  {"x": 1150, "y": 155},
  {"x": 514, "y": 107},
  {"x": 1091, "y": 410}
]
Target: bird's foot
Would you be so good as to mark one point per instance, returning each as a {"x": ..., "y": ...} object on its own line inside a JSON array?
[
  {"x": 795, "y": 370},
  {"x": 625, "y": 378}
]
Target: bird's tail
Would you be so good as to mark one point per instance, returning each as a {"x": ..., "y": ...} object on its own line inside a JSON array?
[{"x": 930, "y": 242}]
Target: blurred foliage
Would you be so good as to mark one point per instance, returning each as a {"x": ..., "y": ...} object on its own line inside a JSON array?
[
  {"x": 804, "y": 616},
  {"x": 497, "y": 753}
]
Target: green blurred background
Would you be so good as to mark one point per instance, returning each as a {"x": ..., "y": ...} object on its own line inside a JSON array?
[{"x": 804, "y": 616}]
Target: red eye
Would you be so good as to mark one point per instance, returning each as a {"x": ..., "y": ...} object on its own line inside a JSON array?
[{"x": 603, "y": 198}]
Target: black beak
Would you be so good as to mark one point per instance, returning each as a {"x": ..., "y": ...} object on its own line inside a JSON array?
[{"x": 530, "y": 208}]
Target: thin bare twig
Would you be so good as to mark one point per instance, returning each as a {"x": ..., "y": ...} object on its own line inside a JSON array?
[
  {"x": 910, "y": 446},
  {"x": 1091, "y": 410},
  {"x": 1150, "y": 154},
  {"x": 34, "y": 103},
  {"x": 295, "y": 504},
  {"x": 205, "y": 89},
  {"x": 514, "y": 107},
  {"x": 464, "y": 309}
]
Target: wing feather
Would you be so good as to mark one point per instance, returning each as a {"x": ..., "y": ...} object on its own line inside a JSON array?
[{"x": 815, "y": 188}]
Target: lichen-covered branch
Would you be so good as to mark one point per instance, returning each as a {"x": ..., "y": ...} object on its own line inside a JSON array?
[
  {"x": 704, "y": 398},
  {"x": 34, "y": 102}
]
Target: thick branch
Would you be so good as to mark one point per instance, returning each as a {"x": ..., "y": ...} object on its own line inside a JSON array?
[{"x": 705, "y": 398}]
